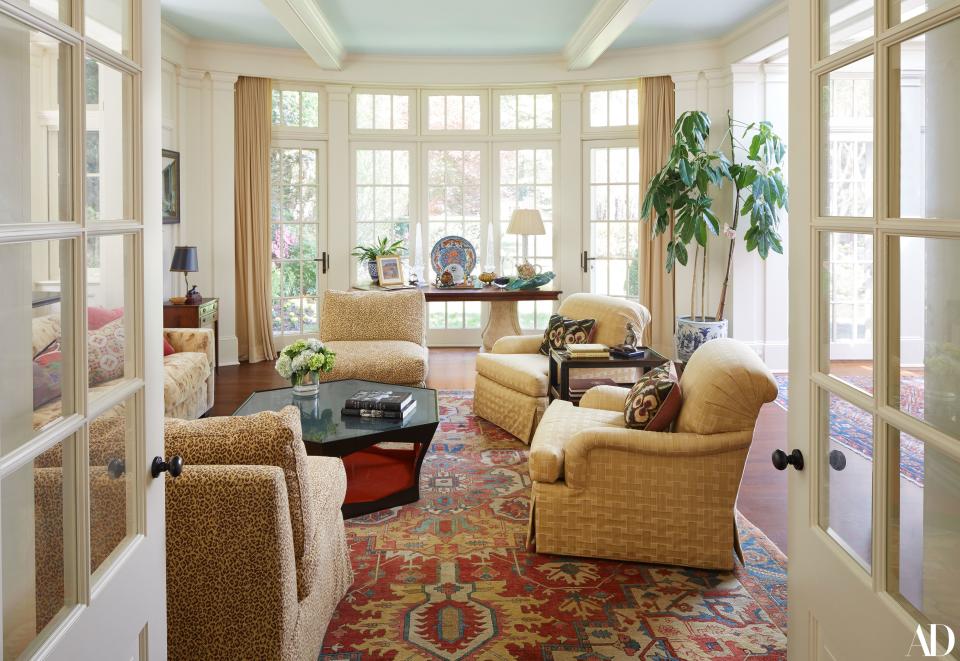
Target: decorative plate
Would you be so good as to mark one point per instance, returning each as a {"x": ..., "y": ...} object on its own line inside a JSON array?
[{"x": 453, "y": 250}]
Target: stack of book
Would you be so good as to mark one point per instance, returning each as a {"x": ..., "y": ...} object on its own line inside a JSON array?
[
  {"x": 379, "y": 404},
  {"x": 594, "y": 351}
]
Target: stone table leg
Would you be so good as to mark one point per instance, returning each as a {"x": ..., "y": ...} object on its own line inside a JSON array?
[{"x": 502, "y": 321}]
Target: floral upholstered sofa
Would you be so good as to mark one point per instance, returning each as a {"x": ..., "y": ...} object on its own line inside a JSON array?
[{"x": 188, "y": 361}]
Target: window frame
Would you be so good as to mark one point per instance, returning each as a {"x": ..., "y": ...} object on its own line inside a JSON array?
[
  {"x": 455, "y": 134},
  {"x": 413, "y": 111},
  {"x": 608, "y": 131},
  {"x": 282, "y": 131},
  {"x": 495, "y": 112}
]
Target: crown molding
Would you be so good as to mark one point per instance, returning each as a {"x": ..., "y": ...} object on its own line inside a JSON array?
[
  {"x": 602, "y": 26},
  {"x": 310, "y": 28}
]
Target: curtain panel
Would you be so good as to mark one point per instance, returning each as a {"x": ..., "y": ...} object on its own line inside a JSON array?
[
  {"x": 657, "y": 287},
  {"x": 252, "y": 219}
]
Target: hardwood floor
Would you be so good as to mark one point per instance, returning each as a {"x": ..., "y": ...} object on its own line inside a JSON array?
[{"x": 763, "y": 492}]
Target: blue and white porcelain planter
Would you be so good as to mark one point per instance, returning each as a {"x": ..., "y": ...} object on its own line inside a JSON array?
[
  {"x": 694, "y": 332},
  {"x": 372, "y": 270}
]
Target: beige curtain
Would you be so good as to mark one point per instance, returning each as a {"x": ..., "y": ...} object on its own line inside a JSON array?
[
  {"x": 657, "y": 116},
  {"x": 252, "y": 218}
]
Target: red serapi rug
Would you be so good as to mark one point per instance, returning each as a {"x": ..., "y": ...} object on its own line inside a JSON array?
[{"x": 449, "y": 577}]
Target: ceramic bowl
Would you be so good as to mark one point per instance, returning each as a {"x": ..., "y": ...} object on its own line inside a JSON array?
[{"x": 178, "y": 300}]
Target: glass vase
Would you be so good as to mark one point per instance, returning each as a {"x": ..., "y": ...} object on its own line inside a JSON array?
[{"x": 305, "y": 384}]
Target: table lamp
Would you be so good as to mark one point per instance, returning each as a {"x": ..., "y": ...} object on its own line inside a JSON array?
[
  {"x": 185, "y": 261},
  {"x": 526, "y": 222}
]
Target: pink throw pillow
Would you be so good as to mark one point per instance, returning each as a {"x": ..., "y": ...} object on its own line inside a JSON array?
[
  {"x": 98, "y": 317},
  {"x": 168, "y": 348}
]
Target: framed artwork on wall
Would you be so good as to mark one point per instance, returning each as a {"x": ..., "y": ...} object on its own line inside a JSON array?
[{"x": 171, "y": 187}]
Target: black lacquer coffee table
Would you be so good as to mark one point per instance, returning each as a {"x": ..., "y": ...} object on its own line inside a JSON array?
[{"x": 382, "y": 456}]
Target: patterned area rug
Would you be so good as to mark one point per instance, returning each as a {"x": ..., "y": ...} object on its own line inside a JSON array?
[
  {"x": 852, "y": 427},
  {"x": 449, "y": 577}
]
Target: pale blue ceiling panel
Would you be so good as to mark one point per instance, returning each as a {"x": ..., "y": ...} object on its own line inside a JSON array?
[{"x": 681, "y": 21}]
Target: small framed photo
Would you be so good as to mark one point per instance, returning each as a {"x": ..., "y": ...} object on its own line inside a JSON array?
[{"x": 389, "y": 271}]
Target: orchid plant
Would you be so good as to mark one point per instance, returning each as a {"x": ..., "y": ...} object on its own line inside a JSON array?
[{"x": 678, "y": 199}]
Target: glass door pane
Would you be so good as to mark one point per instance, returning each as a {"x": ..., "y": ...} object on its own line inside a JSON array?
[
  {"x": 924, "y": 98},
  {"x": 926, "y": 383},
  {"x": 846, "y": 456},
  {"x": 454, "y": 192},
  {"x": 614, "y": 220},
  {"x": 844, "y": 23},
  {"x": 110, "y": 23},
  {"x": 924, "y": 531},
  {"x": 296, "y": 235},
  {"x": 38, "y": 543},
  {"x": 36, "y": 338},
  {"x": 846, "y": 338},
  {"x": 35, "y": 181},
  {"x": 846, "y": 141},
  {"x": 108, "y": 142}
]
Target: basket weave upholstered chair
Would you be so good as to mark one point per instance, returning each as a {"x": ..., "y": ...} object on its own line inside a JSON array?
[
  {"x": 604, "y": 491},
  {"x": 511, "y": 389},
  {"x": 377, "y": 336},
  {"x": 257, "y": 558}
]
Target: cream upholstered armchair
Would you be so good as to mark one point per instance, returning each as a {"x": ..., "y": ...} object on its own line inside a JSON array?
[
  {"x": 604, "y": 491},
  {"x": 377, "y": 336},
  {"x": 511, "y": 389}
]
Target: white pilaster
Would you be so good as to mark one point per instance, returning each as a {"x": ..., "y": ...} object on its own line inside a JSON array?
[
  {"x": 338, "y": 186},
  {"x": 567, "y": 214},
  {"x": 222, "y": 217}
]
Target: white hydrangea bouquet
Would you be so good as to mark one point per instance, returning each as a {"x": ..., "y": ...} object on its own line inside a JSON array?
[{"x": 302, "y": 361}]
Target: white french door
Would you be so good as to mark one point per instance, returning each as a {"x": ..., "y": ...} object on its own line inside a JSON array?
[
  {"x": 611, "y": 217},
  {"x": 299, "y": 254},
  {"x": 81, "y": 398},
  {"x": 874, "y": 514}
]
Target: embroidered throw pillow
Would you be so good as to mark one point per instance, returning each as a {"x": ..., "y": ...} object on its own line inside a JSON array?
[
  {"x": 105, "y": 347},
  {"x": 654, "y": 401},
  {"x": 562, "y": 331}
]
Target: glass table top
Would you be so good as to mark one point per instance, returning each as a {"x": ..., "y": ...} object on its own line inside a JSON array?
[{"x": 320, "y": 414}]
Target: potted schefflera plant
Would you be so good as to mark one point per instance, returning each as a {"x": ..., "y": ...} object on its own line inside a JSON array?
[
  {"x": 381, "y": 248},
  {"x": 679, "y": 203}
]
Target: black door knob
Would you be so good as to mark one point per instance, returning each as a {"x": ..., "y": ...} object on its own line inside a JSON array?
[
  {"x": 781, "y": 460},
  {"x": 174, "y": 466},
  {"x": 116, "y": 468}
]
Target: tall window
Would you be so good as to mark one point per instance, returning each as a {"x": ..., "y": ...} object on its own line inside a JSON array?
[
  {"x": 614, "y": 212},
  {"x": 526, "y": 182},
  {"x": 454, "y": 196},
  {"x": 382, "y": 204},
  {"x": 849, "y": 129},
  {"x": 295, "y": 228}
]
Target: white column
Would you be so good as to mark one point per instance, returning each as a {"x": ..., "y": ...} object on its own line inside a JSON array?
[
  {"x": 776, "y": 304},
  {"x": 221, "y": 238},
  {"x": 196, "y": 163},
  {"x": 568, "y": 207},
  {"x": 338, "y": 186},
  {"x": 745, "y": 296}
]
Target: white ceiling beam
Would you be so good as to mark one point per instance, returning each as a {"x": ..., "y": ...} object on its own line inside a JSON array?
[
  {"x": 605, "y": 22},
  {"x": 309, "y": 27}
]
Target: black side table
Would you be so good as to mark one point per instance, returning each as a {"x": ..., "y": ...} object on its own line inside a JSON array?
[{"x": 560, "y": 364}]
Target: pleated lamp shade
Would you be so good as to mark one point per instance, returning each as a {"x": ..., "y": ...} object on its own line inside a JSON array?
[{"x": 526, "y": 222}]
